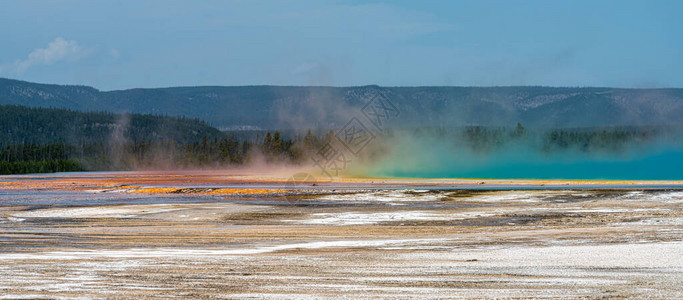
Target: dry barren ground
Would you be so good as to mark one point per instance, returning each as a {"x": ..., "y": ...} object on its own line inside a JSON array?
[{"x": 213, "y": 236}]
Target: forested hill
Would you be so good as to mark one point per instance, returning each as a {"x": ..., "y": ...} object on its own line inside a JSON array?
[
  {"x": 269, "y": 107},
  {"x": 26, "y": 125}
]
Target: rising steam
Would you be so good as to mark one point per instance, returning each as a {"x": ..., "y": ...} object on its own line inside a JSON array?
[{"x": 428, "y": 156}]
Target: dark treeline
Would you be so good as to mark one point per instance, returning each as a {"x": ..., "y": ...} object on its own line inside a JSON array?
[
  {"x": 36, "y": 140},
  {"x": 24, "y": 125},
  {"x": 273, "y": 148},
  {"x": 596, "y": 139},
  {"x": 156, "y": 154},
  {"x": 31, "y": 158}
]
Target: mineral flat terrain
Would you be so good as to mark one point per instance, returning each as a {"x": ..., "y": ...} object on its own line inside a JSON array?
[{"x": 238, "y": 235}]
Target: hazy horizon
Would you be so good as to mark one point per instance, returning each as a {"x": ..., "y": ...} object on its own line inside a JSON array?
[{"x": 352, "y": 86}]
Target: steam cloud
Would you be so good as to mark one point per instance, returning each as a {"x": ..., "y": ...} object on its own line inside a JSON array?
[{"x": 428, "y": 156}]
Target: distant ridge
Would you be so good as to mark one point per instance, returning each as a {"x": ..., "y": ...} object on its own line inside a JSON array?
[{"x": 269, "y": 107}]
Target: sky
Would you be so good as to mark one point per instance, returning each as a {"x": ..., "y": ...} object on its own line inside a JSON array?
[{"x": 126, "y": 44}]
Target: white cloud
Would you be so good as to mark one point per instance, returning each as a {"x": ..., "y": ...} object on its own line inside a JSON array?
[{"x": 57, "y": 50}]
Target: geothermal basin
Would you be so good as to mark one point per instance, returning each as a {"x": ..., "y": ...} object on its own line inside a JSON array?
[{"x": 240, "y": 235}]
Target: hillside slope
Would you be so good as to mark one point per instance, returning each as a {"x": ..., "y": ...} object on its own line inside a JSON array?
[
  {"x": 19, "y": 124},
  {"x": 268, "y": 107}
]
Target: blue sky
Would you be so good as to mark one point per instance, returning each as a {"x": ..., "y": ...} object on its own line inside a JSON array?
[{"x": 126, "y": 44}]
